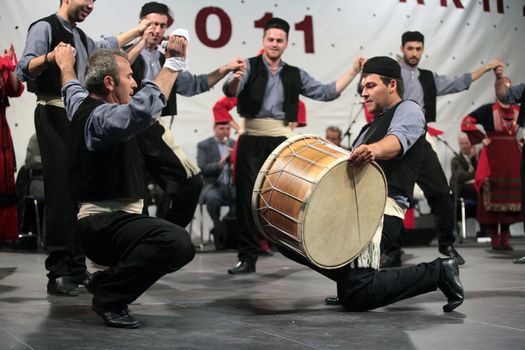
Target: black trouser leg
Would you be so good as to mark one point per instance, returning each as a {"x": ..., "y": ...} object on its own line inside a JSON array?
[
  {"x": 433, "y": 182},
  {"x": 390, "y": 236},
  {"x": 184, "y": 199},
  {"x": 65, "y": 257},
  {"x": 252, "y": 152},
  {"x": 139, "y": 250}
]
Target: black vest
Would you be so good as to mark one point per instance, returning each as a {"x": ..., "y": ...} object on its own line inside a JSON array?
[
  {"x": 426, "y": 78},
  {"x": 138, "y": 68},
  {"x": 110, "y": 174},
  {"x": 400, "y": 172},
  {"x": 252, "y": 95},
  {"x": 48, "y": 81},
  {"x": 521, "y": 116}
]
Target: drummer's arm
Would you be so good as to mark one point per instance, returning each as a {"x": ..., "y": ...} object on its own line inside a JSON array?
[{"x": 387, "y": 148}]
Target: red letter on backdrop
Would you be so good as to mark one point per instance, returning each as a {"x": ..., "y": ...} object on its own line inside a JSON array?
[{"x": 225, "y": 31}]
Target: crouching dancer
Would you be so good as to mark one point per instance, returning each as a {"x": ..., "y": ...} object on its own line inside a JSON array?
[
  {"x": 394, "y": 140},
  {"x": 107, "y": 178}
]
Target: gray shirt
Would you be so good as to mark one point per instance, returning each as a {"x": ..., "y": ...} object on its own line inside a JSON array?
[
  {"x": 38, "y": 43},
  {"x": 112, "y": 123},
  {"x": 444, "y": 84},
  {"x": 408, "y": 125},
  {"x": 273, "y": 102}
]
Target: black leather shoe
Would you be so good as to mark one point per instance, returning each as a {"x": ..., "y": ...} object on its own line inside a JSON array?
[
  {"x": 520, "y": 260},
  {"x": 62, "y": 286},
  {"x": 242, "y": 267},
  {"x": 93, "y": 281},
  {"x": 450, "y": 251},
  {"x": 118, "y": 317},
  {"x": 79, "y": 279},
  {"x": 450, "y": 284},
  {"x": 332, "y": 301},
  {"x": 390, "y": 260}
]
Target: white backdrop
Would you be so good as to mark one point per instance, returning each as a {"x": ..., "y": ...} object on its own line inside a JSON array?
[{"x": 457, "y": 40}]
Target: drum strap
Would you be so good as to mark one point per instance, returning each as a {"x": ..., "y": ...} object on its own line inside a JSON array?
[{"x": 371, "y": 255}]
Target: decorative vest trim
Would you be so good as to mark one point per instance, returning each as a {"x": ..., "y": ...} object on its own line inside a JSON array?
[
  {"x": 110, "y": 174},
  {"x": 426, "y": 78},
  {"x": 252, "y": 95},
  {"x": 400, "y": 172},
  {"x": 48, "y": 82},
  {"x": 138, "y": 68}
]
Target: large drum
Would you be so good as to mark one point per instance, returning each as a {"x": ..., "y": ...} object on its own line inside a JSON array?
[{"x": 309, "y": 198}]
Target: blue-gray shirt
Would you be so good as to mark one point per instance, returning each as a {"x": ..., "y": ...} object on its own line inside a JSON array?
[
  {"x": 38, "y": 43},
  {"x": 408, "y": 125},
  {"x": 112, "y": 123},
  {"x": 444, "y": 84},
  {"x": 273, "y": 102}
]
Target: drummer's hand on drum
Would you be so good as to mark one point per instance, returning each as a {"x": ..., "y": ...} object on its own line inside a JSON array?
[{"x": 361, "y": 155}]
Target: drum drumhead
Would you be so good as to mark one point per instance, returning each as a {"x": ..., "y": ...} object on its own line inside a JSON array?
[{"x": 343, "y": 213}]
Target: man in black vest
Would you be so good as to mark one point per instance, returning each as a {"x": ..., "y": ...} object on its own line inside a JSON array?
[
  {"x": 424, "y": 86},
  {"x": 65, "y": 262},
  {"x": 165, "y": 161},
  {"x": 268, "y": 94},
  {"x": 514, "y": 94},
  {"x": 107, "y": 178},
  {"x": 394, "y": 140}
]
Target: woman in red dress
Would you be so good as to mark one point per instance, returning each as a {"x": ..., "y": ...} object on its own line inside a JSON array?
[
  {"x": 498, "y": 173},
  {"x": 10, "y": 86}
]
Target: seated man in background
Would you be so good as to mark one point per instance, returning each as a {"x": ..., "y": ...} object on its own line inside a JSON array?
[
  {"x": 214, "y": 160},
  {"x": 334, "y": 135},
  {"x": 107, "y": 177},
  {"x": 463, "y": 168}
]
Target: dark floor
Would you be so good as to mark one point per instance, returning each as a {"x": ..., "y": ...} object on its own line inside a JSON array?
[{"x": 279, "y": 307}]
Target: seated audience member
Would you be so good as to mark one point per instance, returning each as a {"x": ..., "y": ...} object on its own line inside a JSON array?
[
  {"x": 463, "y": 168},
  {"x": 334, "y": 135},
  {"x": 214, "y": 160},
  {"x": 107, "y": 177}
]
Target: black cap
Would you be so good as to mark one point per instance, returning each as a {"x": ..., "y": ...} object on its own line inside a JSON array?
[
  {"x": 277, "y": 23},
  {"x": 382, "y": 65},
  {"x": 156, "y": 7},
  {"x": 412, "y": 36}
]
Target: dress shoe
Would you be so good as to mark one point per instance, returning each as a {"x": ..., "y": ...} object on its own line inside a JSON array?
[
  {"x": 390, "y": 260},
  {"x": 450, "y": 251},
  {"x": 62, "y": 286},
  {"x": 332, "y": 301},
  {"x": 80, "y": 278},
  {"x": 450, "y": 284},
  {"x": 92, "y": 281},
  {"x": 242, "y": 267},
  {"x": 117, "y": 317},
  {"x": 520, "y": 260}
]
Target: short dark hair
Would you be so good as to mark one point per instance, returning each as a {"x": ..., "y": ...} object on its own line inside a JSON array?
[
  {"x": 277, "y": 23},
  {"x": 400, "y": 87},
  {"x": 335, "y": 129},
  {"x": 101, "y": 64},
  {"x": 412, "y": 36}
]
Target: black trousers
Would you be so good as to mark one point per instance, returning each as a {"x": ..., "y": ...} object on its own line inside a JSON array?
[
  {"x": 138, "y": 249},
  {"x": 65, "y": 257},
  {"x": 166, "y": 169},
  {"x": 433, "y": 182},
  {"x": 360, "y": 289},
  {"x": 252, "y": 152}
]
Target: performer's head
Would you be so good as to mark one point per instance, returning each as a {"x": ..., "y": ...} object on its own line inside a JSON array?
[
  {"x": 161, "y": 16},
  {"x": 334, "y": 135},
  {"x": 275, "y": 38},
  {"x": 412, "y": 47},
  {"x": 221, "y": 130},
  {"x": 381, "y": 83},
  {"x": 74, "y": 11},
  {"x": 109, "y": 76}
]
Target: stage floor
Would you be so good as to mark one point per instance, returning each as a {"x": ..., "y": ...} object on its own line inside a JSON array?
[{"x": 279, "y": 307}]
